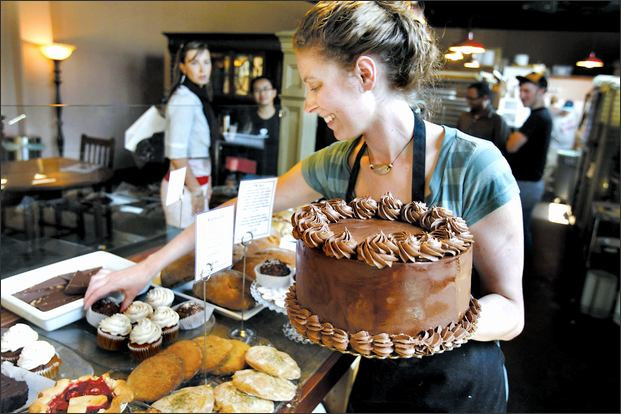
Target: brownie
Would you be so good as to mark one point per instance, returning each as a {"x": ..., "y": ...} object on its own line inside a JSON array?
[
  {"x": 14, "y": 394},
  {"x": 80, "y": 280},
  {"x": 106, "y": 306},
  {"x": 189, "y": 309},
  {"x": 48, "y": 295},
  {"x": 274, "y": 267}
]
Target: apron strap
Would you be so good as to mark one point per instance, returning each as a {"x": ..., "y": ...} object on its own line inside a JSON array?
[{"x": 418, "y": 166}]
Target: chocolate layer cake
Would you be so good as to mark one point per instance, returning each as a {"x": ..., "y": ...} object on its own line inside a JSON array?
[
  {"x": 52, "y": 293},
  {"x": 380, "y": 277},
  {"x": 14, "y": 394}
]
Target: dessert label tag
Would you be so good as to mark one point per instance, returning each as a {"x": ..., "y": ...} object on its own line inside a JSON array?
[
  {"x": 214, "y": 241},
  {"x": 175, "y": 185},
  {"x": 255, "y": 202}
]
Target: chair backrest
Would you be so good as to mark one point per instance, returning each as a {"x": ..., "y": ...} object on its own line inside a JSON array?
[{"x": 97, "y": 150}]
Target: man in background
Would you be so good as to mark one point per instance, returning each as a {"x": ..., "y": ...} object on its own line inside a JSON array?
[
  {"x": 528, "y": 147},
  {"x": 482, "y": 121}
]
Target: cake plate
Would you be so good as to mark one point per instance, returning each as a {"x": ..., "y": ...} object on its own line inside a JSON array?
[{"x": 274, "y": 300}]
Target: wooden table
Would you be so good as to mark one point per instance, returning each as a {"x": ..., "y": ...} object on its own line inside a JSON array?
[{"x": 48, "y": 174}]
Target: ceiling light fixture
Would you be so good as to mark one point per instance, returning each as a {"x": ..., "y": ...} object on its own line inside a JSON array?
[
  {"x": 454, "y": 56},
  {"x": 468, "y": 46},
  {"x": 590, "y": 62}
]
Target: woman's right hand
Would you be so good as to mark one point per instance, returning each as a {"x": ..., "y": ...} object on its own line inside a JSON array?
[
  {"x": 198, "y": 203},
  {"x": 129, "y": 281}
]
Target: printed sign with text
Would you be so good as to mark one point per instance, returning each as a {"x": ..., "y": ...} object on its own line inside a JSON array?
[
  {"x": 214, "y": 241},
  {"x": 255, "y": 202},
  {"x": 176, "y": 181}
]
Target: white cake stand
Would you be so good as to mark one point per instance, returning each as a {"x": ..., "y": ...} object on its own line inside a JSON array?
[{"x": 274, "y": 300}]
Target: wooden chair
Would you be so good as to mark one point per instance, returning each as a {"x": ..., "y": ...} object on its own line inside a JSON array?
[{"x": 97, "y": 150}]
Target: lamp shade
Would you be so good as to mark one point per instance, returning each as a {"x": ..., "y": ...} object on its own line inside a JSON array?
[
  {"x": 590, "y": 62},
  {"x": 468, "y": 46},
  {"x": 454, "y": 56},
  {"x": 57, "y": 51}
]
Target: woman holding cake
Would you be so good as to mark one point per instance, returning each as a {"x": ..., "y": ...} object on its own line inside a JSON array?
[{"x": 361, "y": 62}]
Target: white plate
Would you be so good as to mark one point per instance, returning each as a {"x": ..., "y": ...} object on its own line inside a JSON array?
[
  {"x": 67, "y": 313},
  {"x": 237, "y": 315}
]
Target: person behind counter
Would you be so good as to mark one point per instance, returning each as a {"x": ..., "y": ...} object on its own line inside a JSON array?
[
  {"x": 360, "y": 63},
  {"x": 482, "y": 121},
  {"x": 189, "y": 134},
  {"x": 264, "y": 120}
]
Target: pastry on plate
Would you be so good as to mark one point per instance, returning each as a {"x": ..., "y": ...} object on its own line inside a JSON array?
[
  {"x": 215, "y": 351},
  {"x": 160, "y": 296},
  {"x": 113, "y": 332},
  {"x": 192, "y": 314},
  {"x": 231, "y": 400},
  {"x": 155, "y": 377},
  {"x": 235, "y": 360},
  {"x": 138, "y": 310},
  {"x": 178, "y": 272},
  {"x": 168, "y": 321},
  {"x": 40, "y": 357},
  {"x": 224, "y": 289},
  {"x": 263, "y": 385},
  {"x": 272, "y": 361},
  {"x": 191, "y": 354},
  {"x": 145, "y": 340},
  {"x": 97, "y": 394},
  {"x": 199, "y": 399},
  {"x": 14, "y": 340},
  {"x": 14, "y": 394},
  {"x": 102, "y": 309}
]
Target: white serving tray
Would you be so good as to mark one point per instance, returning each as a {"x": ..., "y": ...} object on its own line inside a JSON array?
[{"x": 67, "y": 313}]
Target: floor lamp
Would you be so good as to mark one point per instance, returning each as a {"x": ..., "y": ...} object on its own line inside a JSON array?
[{"x": 57, "y": 52}]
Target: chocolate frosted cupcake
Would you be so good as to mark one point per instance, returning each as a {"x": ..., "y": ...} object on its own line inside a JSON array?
[
  {"x": 14, "y": 340},
  {"x": 160, "y": 296},
  {"x": 40, "y": 357},
  {"x": 113, "y": 331},
  {"x": 168, "y": 320},
  {"x": 100, "y": 310},
  {"x": 138, "y": 311},
  {"x": 145, "y": 340},
  {"x": 191, "y": 314}
]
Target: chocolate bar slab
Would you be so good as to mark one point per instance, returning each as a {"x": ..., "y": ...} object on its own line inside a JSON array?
[{"x": 80, "y": 280}]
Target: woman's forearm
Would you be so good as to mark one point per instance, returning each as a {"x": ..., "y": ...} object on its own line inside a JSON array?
[{"x": 181, "y": 245}]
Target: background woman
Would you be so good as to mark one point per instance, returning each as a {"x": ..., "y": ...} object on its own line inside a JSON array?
[
  {"x": 190, "y": 133},
  {"x": 360, "y": 63}
]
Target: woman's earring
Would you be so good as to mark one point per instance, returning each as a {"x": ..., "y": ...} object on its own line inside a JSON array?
[{"x": 182, "y": 78}]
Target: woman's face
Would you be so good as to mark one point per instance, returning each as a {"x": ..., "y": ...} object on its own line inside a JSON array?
[
  {"x": 197, "y": 66},
  {"x": 263, "y": 92},
  {"x": 334, "y": 93}
]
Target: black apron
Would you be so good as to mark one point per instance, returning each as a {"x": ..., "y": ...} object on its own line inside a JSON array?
[{"x": 467, "y": 379}]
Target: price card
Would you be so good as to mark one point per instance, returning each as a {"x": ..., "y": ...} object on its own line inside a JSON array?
[
  {"x": 176, "y": 181},
  {"x": 214, "y": 241},
  {"x": 255, "y": 202}
]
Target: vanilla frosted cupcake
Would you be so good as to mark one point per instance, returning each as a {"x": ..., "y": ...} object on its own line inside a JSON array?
[
  {"x": 40, "y": 357},
  {"x": 138, "y": 311},
  {"x": 168, "y": 320},
  {"x": 113, "y": 331},
  {"x": 14, "y": 339},
  {"x": 160, "y": 296},
  {"x": 145, "y": 340}
]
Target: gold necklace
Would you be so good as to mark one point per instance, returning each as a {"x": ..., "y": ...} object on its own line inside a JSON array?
[{"x": 383, "y": 169}]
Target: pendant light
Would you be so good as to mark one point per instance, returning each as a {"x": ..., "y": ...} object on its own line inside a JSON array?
[
  {"x": 453, "y": 56},
  {"x": 590, "y": 62},
  {"x": 468, "y": 46}
]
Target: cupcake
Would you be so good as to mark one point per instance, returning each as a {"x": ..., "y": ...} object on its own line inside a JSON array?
[
  {"x": 168, "y": 320},
  {"x": 113, "y": 331},
  {"x": 40, "y": 357},
  {"x": 14, "y": 339},
  {"x": 100, "y": 310},
  {"x": 191, "y": 314},
  {"x": 160, "y": 296},
  {"x": 138, "y": 311},
  {"x": 145, "y": 340}
]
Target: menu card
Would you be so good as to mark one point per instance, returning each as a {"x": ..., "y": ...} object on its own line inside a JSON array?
[
  {"x": 214, "y": 241},
  {"x": 176, "y": 181},
  {"x": 255, "y": 202}
]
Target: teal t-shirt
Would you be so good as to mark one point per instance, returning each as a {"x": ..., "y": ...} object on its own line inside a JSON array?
[{"x": 471, "y": 178}]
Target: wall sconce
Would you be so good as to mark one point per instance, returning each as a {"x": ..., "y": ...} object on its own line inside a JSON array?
[
  {"x": 57, "y": 52},
  {"x": 590, "y": 62}
]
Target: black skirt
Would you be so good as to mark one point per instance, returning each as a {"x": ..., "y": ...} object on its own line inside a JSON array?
[{"x": 467, "y": 379}]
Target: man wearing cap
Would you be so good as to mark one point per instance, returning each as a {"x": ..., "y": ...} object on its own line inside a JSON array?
[
  {"x": 482, "y": 121},
  {"x": 528, "y": 147}
]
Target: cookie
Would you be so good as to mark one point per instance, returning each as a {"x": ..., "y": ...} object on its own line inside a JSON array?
[
  {"x": 191, "y": 354},
  {"x": 263, "y": 385},
  {"x": 199, "y": 399},
  {"x": 272, "y": 361},
  {"x": 156, "y": 376},
  {"x": 231, "y": 400},
  {"x": 215, "y": 351},
  {"x": 236, "y": 359}
]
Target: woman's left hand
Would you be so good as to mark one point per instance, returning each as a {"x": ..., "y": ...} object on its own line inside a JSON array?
[{"x": 198, "y": 203}]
